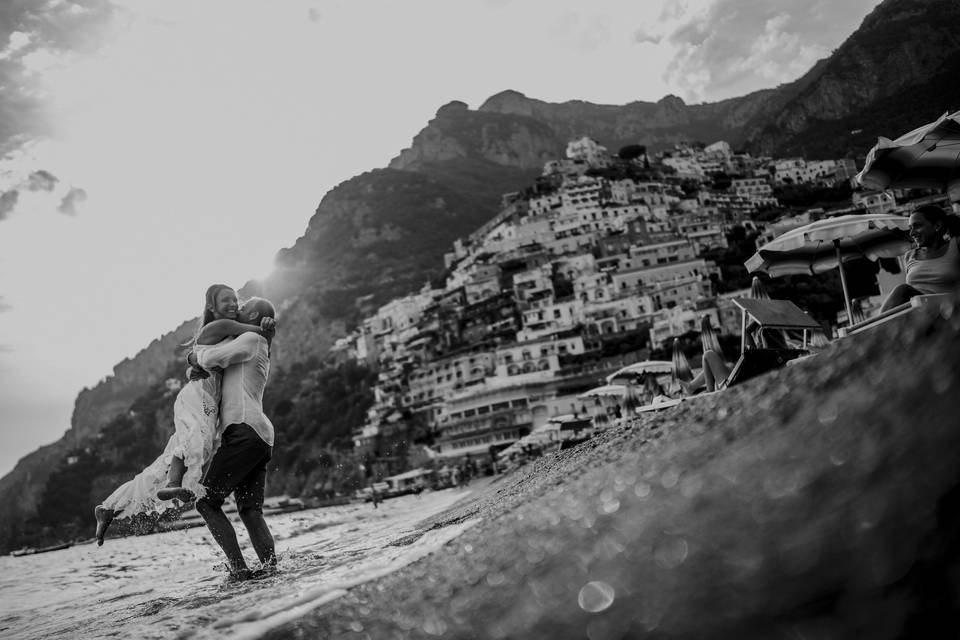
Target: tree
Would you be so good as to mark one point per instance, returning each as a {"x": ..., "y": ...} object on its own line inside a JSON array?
[{"x": 632, "y": 152}]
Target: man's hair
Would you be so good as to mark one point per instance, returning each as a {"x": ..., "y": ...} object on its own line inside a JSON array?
[{"x": 263, "y": 306}]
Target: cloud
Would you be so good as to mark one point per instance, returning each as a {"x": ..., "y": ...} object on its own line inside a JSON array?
[
  {"x": 643, "y": 36},
  {"x": 4, "y": 306},
  {"x": 582, "y": 34},
  {"x": 39, "y": 188},
  {"x": 34, "y": 36},
  {"x": 734, "y": 47},
  {"x": 8, "y": 202},
  {"x": 69, "y": 203},
  {"x": 42, "y": 180}
]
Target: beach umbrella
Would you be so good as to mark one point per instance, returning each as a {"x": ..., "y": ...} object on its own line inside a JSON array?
[
  {"x": 926, "y": 158},
  {"x": 633, "y": 371},
  {"x": 605, "y": 391},
  {"x": 758, "y": 290},
  {"x": 708, "y": 336},
  {"x": 826, "y": 244},
  {"x": 681, "y": 366}
]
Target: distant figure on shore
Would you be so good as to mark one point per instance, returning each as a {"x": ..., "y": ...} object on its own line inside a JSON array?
[
  {"x": 934, "y": 266},
  {"x": 176, "y": 473},
  {"x": 240, "y": 464}
]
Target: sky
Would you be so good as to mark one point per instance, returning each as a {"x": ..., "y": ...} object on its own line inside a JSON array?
[{"x": 149, "y": 148}]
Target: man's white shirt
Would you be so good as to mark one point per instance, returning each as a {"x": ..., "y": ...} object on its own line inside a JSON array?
[{"x": 245, "y": 361}]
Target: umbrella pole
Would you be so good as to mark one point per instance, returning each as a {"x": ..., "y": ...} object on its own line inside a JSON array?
[{"x": 843, "y": 282}]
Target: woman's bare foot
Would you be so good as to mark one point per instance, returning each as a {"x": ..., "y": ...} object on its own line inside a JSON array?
[
  {"x": 175, "y": 492},
  {"x": 104, "y": 517}
]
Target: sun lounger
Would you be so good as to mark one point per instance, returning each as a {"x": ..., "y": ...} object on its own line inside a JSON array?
[
  {"x": 754, "y": 362},
  {"x": 914, "y": 303},
  {"x": 767, "y": 315}
]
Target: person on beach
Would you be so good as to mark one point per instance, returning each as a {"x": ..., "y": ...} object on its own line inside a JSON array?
[
  {"x": 934, "y": 266},
  {"x": 176, "y": 473},
  {"x": 239, "y": 465}
]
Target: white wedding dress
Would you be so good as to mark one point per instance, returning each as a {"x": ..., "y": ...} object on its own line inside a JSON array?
[{"x": 196, "y": 438}]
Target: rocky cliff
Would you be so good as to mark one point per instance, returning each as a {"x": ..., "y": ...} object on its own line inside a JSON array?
[{"x": 897, "y": 71}]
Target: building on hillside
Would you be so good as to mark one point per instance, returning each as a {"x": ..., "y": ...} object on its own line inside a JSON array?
[
  {"x": 608, "y": 317},
  {"x": 589, "y": 151},
  {"x": 545, "y": 320},
  {"x": 483, "y": 419},
  {"x": 544, "y": 204},
  {"x": 534, "y": 361},
  {"x": 751, "y": 186},
  {"x": 671, "y": 251},
  {"x": 736, "y": 204},
  {"x": 874, "y": 201},
  {"x": 686, "y": 167},
  {"x": 432, "y": 382},
  {"x": 677, "y": 321},
  {"x": 708, "y": 238}
]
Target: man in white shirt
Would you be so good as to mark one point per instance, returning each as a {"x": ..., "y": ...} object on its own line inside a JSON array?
[{"x": 240, "y": 464}]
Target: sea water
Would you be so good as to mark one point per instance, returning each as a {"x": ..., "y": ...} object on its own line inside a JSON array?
[{"x": 172, "y": 585}]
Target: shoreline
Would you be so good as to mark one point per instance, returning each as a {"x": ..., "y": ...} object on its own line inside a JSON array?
[{"x": 807, "y": 503}]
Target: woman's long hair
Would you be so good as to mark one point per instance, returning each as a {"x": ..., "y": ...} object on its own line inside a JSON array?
[
  {"x": 209, "y": 304},
  {"x": 936, "y": 215}
]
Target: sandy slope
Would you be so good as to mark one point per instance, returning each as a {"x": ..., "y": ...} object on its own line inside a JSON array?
[{"x": 818, "y": 502}]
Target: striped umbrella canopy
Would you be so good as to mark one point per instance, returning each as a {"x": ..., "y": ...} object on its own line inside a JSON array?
[
  {"x": 927, "y": 157},
  {"x": 635, "y": 370},
  {"x": 681, "y": 366},
  {"x": 826, "y": 244},
  {"x": 607, "y": 390}
]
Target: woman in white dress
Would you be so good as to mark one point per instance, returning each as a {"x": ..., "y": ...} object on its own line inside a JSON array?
[{"x": 177, "y": 472}]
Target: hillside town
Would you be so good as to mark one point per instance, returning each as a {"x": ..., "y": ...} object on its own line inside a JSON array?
[{"x": 582, "y": 274}]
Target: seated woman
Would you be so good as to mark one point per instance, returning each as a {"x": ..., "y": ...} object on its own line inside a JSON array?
[
  {"x": 715, "y": 372},
  {"x": 934, "y": 266}
]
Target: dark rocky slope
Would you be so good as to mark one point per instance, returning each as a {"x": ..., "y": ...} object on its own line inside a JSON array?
[{"x": 819, "y": 501}]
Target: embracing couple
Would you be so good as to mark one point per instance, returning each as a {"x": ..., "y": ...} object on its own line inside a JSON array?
[{"x": 220, "y": 428}]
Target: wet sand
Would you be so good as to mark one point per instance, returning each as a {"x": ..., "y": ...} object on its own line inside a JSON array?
[{"x": 817, "y": 502}]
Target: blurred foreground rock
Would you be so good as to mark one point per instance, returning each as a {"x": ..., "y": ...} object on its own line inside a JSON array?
[{"x": 817, "y": 502}]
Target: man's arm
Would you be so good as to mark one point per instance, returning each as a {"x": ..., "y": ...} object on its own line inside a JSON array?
[
  {"x": 223, "y": 355},
  {"x": 214, "y": 332}
]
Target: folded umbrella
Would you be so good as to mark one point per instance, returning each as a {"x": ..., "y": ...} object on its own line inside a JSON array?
[
  {"x": 709, "y": 339},
  {"x": 681, "y": 366},
  {"x": 926, "y": 158},
  {"x": 758, "y": 291}
]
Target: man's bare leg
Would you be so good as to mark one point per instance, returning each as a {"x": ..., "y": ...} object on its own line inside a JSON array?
[
  {"x": 104, "y": 517},
  {"x": 173, "y": 490},
  {"x": 224, "y": 535},
  {"x": 260, "y": 536}
]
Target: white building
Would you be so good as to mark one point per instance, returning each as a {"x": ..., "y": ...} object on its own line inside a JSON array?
[{"x": 587, "y": 150}]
